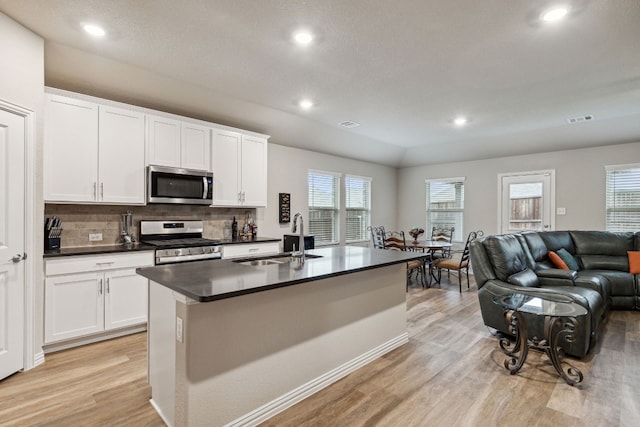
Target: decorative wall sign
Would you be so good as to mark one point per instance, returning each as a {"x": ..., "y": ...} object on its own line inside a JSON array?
[{"x": 284, "y": 202}]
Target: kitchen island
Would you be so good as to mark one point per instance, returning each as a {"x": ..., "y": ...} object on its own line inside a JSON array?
[{"x": 233, "y": 344}]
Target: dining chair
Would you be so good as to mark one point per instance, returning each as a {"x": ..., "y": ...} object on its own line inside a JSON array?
[
  {"x": 458, "y": 264},
  {"x": 442, "y": 233},
  {"x": 377, "y": 236},
  {"x": 395, "y": 240}
]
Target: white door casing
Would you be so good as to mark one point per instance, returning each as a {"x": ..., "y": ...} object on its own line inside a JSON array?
[
  {"x": 536, "y": 191},
  {"x": 12, "y": 242}
]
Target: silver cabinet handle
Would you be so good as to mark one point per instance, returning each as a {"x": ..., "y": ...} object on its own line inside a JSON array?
[
  {"x": 95, "y": 191},
  {"x": 105, "y": 263},
  {"x": 100, "y": 288},
  {"x": 108, "y": 288},
  {"x": 102, "y": 191}
]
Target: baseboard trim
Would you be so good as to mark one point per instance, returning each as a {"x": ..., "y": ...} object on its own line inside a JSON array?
[
  {"x": 159, "y": 412},
  {"x": 298, "y": 394},
  {"x": 89, "y": 339},
  {"x": 38, "y": 359}
]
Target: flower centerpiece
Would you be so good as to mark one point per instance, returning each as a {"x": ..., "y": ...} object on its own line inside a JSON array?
[{"x": 415, "y": 232}]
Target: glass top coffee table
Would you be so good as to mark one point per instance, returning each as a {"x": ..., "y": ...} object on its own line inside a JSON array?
[{"x": 560, "y": 323}]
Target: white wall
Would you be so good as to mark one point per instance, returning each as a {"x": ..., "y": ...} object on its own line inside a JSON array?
[
  {"x": 580, "y": 186},
  {"x": 288, "y": 169},
  {"x": 22, "y": 83}
]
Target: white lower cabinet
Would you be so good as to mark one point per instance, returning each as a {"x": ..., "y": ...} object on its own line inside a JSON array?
[{"x": 88, "y": 295}]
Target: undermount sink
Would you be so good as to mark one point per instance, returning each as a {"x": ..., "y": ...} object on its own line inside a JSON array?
[{"x": 269, "y": 260}]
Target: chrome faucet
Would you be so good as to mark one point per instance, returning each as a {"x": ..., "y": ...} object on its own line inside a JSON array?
[{"x": 300, "y": 252}]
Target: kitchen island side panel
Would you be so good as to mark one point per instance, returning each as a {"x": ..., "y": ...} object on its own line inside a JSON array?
[{"x": 242, "y": 353}]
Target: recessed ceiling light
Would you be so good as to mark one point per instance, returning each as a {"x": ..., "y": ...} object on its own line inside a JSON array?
[
  {"x": 94, "y": 30},
  {"x": 460, "y": 121},
  {"x": 555, "y": 14},
  {"x": 305, "y": 104},
  {"x": 303, "y": 37}
]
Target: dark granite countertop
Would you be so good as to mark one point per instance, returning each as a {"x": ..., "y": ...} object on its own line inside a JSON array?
[
  {"x": 109, "y": 249},
  {"x": 219, "y": 279},
  {"x": 97, "y": 250}
]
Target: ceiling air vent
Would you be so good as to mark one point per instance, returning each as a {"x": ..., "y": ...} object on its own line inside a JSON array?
[
  {"x": 580, "y": 119},
  {"x": 349, "y": 124}
]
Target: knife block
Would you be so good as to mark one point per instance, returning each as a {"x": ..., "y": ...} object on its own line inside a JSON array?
[{"x": 51, "y": 243}]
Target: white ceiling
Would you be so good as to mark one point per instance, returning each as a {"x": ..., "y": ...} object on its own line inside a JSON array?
[{"x": 403, "y": 69}]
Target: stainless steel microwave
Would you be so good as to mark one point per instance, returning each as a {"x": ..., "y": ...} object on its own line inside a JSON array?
[{"x": 176, "y": 185}]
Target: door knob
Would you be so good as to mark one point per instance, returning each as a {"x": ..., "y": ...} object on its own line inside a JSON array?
[{"x": 17, "y": 257}]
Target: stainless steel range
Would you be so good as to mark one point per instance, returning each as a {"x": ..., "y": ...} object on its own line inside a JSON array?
[{"x": 178, "y": 241}]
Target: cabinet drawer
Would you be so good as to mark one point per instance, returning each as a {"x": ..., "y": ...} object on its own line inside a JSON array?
[
  {"x": 250, "y": 249},
  {"x": 88, "y": 263}
]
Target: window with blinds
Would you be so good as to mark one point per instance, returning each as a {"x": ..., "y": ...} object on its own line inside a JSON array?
[
  {"x": 358, "y": 205},
  {"x": 445, "y": 205},
  {"x": 623, "y": 197},
  {"x": 324, "y": 205}
]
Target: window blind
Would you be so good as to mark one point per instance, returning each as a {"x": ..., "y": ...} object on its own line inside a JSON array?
[
  {"x": 323, "y": 206},
  {"x": 445, "y": 205},
  {"x": 358, "y": 206},
  {"x": 623, "y": 197}
]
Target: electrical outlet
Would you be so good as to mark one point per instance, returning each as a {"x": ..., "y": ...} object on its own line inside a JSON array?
[
  {"x": 179, "y": 329},
  {"x": 561, "y": 211},
  {"x": 95, "y": 237}
]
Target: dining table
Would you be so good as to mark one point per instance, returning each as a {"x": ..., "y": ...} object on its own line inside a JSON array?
[{"x": 430, "y": 247}]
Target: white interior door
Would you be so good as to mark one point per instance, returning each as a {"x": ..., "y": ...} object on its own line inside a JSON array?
[
  {"x": 12, "y": 164},
  {"x": 527, "y": 201}
]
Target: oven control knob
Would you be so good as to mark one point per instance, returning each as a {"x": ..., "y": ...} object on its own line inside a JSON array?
[{"x": 177, "y": 252}]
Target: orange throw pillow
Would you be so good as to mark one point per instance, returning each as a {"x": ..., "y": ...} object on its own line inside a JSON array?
[
  {"x": 557, "y": 261},
  {"x": 634, "y": 262}
]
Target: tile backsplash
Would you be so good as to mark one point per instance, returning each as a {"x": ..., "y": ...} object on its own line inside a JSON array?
[{"x": 78, "y": 221}]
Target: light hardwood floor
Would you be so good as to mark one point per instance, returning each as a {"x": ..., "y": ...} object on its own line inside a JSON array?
[{"x": 449, "y": 374}]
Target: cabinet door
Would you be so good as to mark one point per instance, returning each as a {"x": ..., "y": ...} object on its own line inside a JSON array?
[
  {"x": 73, "y": 306},
  {"x": 70, "y": 150},
  {"x": 196, "y": 147},
  {"x": 254, "y": 171},
  {"x": 126, "y": 299},
  {"x": 225, "y": 160},
  {"x": 121, "y": 156},
  {"x": 163, "y": 148}
]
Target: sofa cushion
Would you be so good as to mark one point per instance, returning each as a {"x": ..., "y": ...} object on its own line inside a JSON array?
[
  {"x": 506, "y": 255},
  {"x": 557, "y": 261},
  {"x": 605, "y": 262},
  {"x": 568, "y": 259},
  {"x": 525, "y": 278},
  {"x": 555, "y": 240},
  {"x": 602, "y": 243},
  {"x": 634, "y": 262},
  {"x": 622, "y": 283}
]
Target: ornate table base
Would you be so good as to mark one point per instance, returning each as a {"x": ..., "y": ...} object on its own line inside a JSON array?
[{"x": 518, "y": 350}]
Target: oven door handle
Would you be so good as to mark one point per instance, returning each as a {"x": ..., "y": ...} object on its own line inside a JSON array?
[{"x": 182, "y": 258}]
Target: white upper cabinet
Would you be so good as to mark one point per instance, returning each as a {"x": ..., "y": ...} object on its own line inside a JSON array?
[
  {"x": 225, "y": 158},
  {"x": 121, "y": 156},
  {"x": 92, "y": 153},
  {"x": 70, "y": 150},
  {"x": 239, "y": 164},
  {"x": 178, "y": 144},
  {"x": 196, "y": 147},
  {"x": 253, "y": 169},
  {"x": 163, "y": 147}
]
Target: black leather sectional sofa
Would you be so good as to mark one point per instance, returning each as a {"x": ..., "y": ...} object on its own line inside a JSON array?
[{"x": 521, "y": 263}]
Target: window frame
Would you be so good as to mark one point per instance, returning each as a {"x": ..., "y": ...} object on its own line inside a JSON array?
[
  {"x": 336, "y": 209},
  {"x": 458, "y": 234},
  {"x": 619, "y": 226},
  {"x": 366, "y": 210}
]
